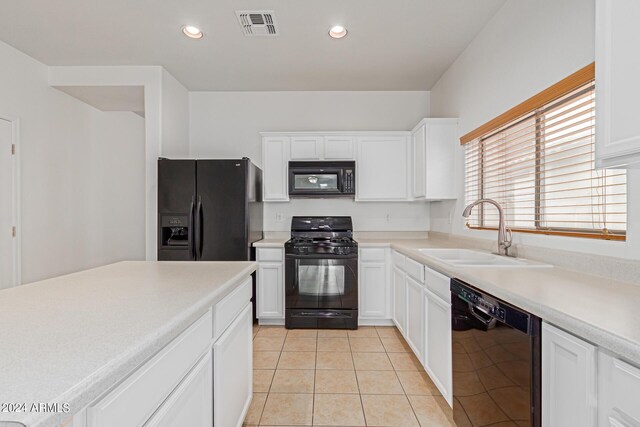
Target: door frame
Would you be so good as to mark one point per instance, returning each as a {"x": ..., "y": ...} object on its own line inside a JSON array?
[{"x": 15, "y": 199}]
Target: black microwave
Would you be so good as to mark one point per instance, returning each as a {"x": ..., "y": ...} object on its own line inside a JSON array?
[{"x": 322, "y": 179}]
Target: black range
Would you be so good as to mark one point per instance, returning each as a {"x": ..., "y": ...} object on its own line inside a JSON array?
[{"x": 321, "y": 273}]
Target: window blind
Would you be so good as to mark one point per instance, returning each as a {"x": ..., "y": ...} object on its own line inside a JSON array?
[{"x": 541, "y": 168}]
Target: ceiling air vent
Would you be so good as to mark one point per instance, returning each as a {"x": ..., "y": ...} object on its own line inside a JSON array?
[{"x": 257, "y": 22}]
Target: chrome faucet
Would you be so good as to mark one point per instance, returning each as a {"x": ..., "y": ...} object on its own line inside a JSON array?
[{"x": 504, "y": 233}]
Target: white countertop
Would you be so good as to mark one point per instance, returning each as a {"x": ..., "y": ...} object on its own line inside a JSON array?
[
  {"x": 70, "y": 338},
  {"x": 603, "y": 311},
  {"x": 273, "y": 239}
]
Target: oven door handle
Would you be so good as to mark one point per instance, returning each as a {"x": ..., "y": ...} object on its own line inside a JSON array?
[
  {"x": 331, "y": 314},
  {"x": 321, "y": 256}
]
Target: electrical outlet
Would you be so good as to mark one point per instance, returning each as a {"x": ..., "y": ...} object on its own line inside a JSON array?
[
  {"x": 387, "y": 217},
  {"x": 450, "y": 217},
  {"x": 279, "y": 217}
]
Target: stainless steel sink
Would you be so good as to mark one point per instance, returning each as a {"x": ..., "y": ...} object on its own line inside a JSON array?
[{"x": 472, "y": 258}]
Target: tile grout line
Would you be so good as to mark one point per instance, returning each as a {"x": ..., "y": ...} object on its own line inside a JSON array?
[{"x": 355, "y": 373}]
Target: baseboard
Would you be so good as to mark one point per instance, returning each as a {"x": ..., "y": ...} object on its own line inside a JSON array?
[
  {"x": 375, "y": 322},
  {"x": 361, "y": 322},
  {"x": 271, "y": 322}
]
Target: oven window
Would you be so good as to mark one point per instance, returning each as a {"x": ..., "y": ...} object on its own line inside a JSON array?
[
  {"x": 309, "y": 181},
  {"x": 321, "y": 279}
]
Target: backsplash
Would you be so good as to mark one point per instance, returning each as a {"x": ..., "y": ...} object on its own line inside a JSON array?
[{"x": 366, "y": 216}]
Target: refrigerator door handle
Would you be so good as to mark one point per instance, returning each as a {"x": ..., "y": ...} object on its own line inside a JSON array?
[
  {"x": 192, "y": 251},
  {"x": 198, "y": 243}
]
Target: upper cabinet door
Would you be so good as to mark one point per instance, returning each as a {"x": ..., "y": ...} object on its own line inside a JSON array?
[
  {"x": 275, "y": 163},
  {"x": 617, "y": 89},
  {"x": 433, "y": 151},
  {"x": 306, "y": 147},
  {"x": 419, "y": 154},
  {"x": 441, "y": 145},
  {"x": 382, "y": 169},
  {"x": 338, "y": 148}
]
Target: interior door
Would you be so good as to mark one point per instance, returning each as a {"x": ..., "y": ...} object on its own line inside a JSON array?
[
  {"x": 7, "y": 253},
  {"x": 221, "y": 186}
]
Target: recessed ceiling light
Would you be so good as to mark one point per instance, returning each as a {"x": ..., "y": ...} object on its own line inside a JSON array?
[
  {"x": 338, "y": 32},
  {"x": 192, "y": 32}
]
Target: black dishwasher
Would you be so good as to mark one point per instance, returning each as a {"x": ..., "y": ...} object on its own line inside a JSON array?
[{"x": 496, "y": 360}]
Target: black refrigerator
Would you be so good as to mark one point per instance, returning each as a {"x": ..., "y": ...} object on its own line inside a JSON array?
[{"x": 209, "y": 210}]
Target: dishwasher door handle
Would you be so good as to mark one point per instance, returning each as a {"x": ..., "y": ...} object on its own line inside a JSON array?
[{"x": 486, "y": 322}]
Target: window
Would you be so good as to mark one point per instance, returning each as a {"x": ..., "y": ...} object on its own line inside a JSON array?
[{"x": 540, "y": 166}]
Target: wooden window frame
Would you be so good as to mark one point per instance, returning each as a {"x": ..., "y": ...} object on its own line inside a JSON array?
[{"x": 535, "y": 107}]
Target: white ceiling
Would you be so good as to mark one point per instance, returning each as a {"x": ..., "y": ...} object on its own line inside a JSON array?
[{"x": 392, "y": 44}]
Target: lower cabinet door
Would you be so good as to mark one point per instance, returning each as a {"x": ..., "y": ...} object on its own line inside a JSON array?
[
  {"x": 233, "y": 372},
  {"x": 399, "y": 298},
  {"x": 568, "y": 380},
  {"x": 618, "y": 391},
  {"x": 437, "y": 354},
  {"x": 415, "y": 317},
  {"x": 191, "y": 403},
  {"x": 372, "y": 289},
  {"x": 270, "y": 290}
]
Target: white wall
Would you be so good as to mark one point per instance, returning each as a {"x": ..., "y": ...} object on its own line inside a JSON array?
[
  {"x": 175, "y": 117},
  {"x": 527, "y": 46},
  {"x": 166, "y": 112},
  {"x": 82, "y": 185},
  {"x": 227, "y": 124}
]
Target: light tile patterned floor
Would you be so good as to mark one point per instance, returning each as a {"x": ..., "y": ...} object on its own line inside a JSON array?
[{"x": 367, "y": 377}]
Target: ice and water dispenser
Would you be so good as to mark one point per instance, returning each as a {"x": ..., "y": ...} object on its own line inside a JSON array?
[{"x": 175, "y": 231}]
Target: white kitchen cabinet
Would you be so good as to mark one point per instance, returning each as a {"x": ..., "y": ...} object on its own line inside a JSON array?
[
  {"x": 433, "y": 143},
  {"x": 569, "y": 396},
  {"x": 617, "y": 91},
  {"x": 233, "y": 372},
  {"x": 382, "y": 168},
  {"x": 275, "y": 165},
  {"x": 338, "y": 148},
  {"x": 437, "y": 349},
  {"x": 399, "y": 299},
  {"x": 618, "y": 391},
  {"x": 373, "y": 285},
  {"x": 415, "y": 317},
  {"x": 306, "y": 147},
  {"x": 191, "y": 404},
  {"x": 134, "y": 400},
  {"x": 270, "y": 290},
  {"x": 418, "y": 157},
  {"x": 270, "y": 283}
]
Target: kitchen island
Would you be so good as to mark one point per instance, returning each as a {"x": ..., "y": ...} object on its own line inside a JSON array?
[{"x": 71, "y": 343}]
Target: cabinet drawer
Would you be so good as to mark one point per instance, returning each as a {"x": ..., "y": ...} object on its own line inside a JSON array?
[
  {"x": 398, "y": 260},
  {"x": 226, "y": 310},
  {"x": 270, "y": 254},
  {"x": 414, "y": 269},
  {"x": 438, "y": 283},
  {"x": 131, "y": 403},
  {"x": 372, "y": 254}
]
